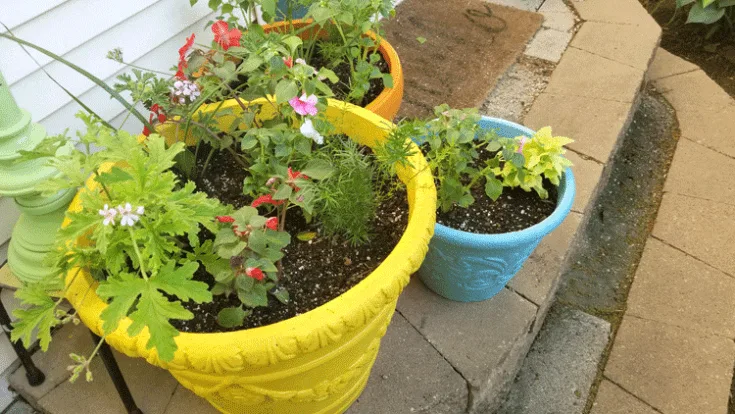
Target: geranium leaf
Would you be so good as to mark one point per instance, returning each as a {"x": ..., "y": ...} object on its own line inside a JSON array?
[
  {"x": 232, "y": 317},
  {"x": 177, "y": 282}
]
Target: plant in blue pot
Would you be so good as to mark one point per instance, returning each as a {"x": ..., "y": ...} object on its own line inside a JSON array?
[{"x": 501, "y": 189}]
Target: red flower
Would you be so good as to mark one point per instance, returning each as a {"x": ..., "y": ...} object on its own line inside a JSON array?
[
  {"x": 292, "y": 176},
  {"x": 255, "y": 273},
  {"x": 183, "y": 64},
  {"x": 288, "y": 61},
  {"x": 155, "y": 110},
  {"x": 266, "y": 199},
  {"x": 224, "y": 36},
  {"x": 184, "y": 49},
  {"x": 225, "y": 219},
  {"x": 272, "y": 223}
]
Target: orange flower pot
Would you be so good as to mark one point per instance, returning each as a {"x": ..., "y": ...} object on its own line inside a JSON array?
[{"x": 389, "y": 100}]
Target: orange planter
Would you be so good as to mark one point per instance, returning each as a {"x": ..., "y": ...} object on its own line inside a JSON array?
[{"x": 388, "y": 102}]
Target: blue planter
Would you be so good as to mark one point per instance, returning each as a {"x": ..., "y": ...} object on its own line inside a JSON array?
[
  {"x": 298, "y": 11},
  {"x": 470, "y": 267}
]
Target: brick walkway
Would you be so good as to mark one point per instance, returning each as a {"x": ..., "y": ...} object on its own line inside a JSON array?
[{"x": 674, "y": 351}]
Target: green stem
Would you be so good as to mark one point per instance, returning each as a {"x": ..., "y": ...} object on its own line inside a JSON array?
[
  {"x": 99, "y": 82},
  {"x": 137, "y": 253},
  {"x": 206, "y": 163},
  {"x": 104, "y": 187},
  {"x": 344, "y": 39}
]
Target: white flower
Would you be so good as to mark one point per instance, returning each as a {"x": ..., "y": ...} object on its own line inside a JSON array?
[
  {"x": 128, "y": 217},
  {"x": 308, "y": 130},
  {"x": 301, "y": 61},
  {"x": 185, "y": 89},
  {"x": 109, "y": 215}
]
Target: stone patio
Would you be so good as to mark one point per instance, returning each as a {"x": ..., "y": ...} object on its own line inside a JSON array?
[{"x": 671, "y": 355}]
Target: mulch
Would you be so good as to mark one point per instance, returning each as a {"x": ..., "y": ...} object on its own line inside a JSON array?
[{"x": 469, "y": 45}]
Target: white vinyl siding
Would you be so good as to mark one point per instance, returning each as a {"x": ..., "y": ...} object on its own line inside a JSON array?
[{"x": 149, "y": 32}]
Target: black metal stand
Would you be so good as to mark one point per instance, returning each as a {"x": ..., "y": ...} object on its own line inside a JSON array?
[
  {"x": 117, "y": 378},
  {"x": 34, "y": 375}
]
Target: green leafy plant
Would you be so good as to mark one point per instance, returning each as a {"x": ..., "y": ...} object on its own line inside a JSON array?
[
  {"x": 339, "y": 32},
  {"x": 135, "y": 226},
  {"x": 150, "y": 237},
  {"x": 463, "y": 156},
  {"x": 709, "y": 12}
]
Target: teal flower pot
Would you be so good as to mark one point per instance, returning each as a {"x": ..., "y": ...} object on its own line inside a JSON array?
[{"x": 470, "y": 267}]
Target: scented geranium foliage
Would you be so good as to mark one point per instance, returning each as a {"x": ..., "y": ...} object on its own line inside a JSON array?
[
  {"x": 463, "y": 156},
  {"x": 134, "y": 233}
]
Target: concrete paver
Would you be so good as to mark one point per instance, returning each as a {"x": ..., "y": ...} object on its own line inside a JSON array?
[
  {"x": 560, "y": 21},
  {"x": 666, "y": 64},
  {"x": 557, "y": 15},
  {"x": 184, "y": 401},
  {"x": 20, "y": 407},
  {"x": 69, "y": 339},
  {"x": 692, "y": 91},
  {"x": 482, "y": 340},
  {"x": 150, "y": 386},
  {"x": 548, "y": 44},
  {"x": 410, "y": 376},
  {"x": 554, "y": 6},
  {"x": 538, "y": 277},
  {"x": 530, "y": 5},
  {"x": 694, "y": 170},
  {"x": 674, "y": 370},
  {"x": 558, "y": 371},
  {"x": 617, "y": 42},
  {"x": 594, "y": 124},
  {"x": 709, "y": 125},
  {"x": 587, "y": 173},
  {"x": 705, "y": 229},
  {"x": 611, "y": 399},
  {"x": 581, "y": 73},
  {"x": 619, "y": 11},
  {"x": 677, "y": 289}
]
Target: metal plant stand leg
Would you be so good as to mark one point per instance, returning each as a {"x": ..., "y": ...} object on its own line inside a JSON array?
[
  {"x": 117, "y": 378},
  {"x": 34, "y": 375}
]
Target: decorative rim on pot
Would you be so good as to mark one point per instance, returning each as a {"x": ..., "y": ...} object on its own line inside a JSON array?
[{"x": 388, "y": 102}]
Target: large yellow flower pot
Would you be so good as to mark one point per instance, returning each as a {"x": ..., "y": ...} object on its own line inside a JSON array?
[{"x": 317, "y": 362}]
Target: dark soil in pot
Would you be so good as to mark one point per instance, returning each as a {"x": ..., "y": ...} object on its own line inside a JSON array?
[
  {"x": 317, "y": 271},
  {"x": 514, "y": 210},
  {"x": 342, "y": 88}
]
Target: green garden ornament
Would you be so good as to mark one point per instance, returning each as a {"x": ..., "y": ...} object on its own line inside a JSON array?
[{"x": 33, "y": 234}]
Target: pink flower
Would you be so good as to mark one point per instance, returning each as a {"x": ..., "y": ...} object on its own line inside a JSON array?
[
  {"x": 224, "y": 36},
  {"x": 305, "y": 105},
  {"x": 288, "y": 61},
  {"x": 272, "y": 223},
  {"x": 225, "y": 219},
  {"x": 523, "y": 140},
  {"x": 255, "y": 273}
]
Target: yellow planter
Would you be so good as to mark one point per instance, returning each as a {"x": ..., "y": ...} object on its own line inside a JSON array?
[{"x": 317, "y": 362}]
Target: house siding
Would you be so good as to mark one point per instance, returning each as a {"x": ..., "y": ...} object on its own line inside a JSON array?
[{"x": 149, "y": 32}]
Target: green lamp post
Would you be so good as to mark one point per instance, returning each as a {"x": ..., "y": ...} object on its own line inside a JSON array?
[{"x": 33, "y": 234}]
